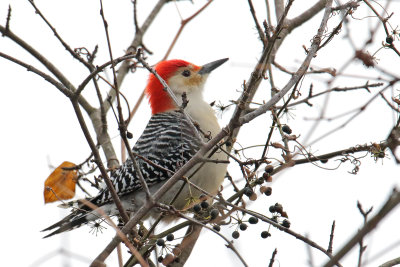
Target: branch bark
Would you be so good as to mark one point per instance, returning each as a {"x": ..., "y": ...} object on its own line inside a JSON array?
[
  {"x": 391, "y": 203},
  {"x": 236, "y": 121}
]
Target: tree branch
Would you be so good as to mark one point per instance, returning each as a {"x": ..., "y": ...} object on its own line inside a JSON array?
[{"x": 391, "y": 203}]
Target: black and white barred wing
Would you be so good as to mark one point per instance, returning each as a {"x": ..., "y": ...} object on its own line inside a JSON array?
[{"x": 165, "y": 145}]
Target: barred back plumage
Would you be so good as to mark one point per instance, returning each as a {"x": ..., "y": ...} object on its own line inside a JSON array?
[{"x": 165, "y": 145}]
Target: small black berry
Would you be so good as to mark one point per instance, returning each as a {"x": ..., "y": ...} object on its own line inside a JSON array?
[
  {"x": 272, "y": 209},
  {"x": 268, "y": 191},
  {"x": 253, "y": 220},
  {"x": 160, "y": 242},
  {"x": 269, "y": 169},
  {"x": 278, "y": 208},
  {"x": 265, "y": 234},
  {"x": 247, "y": 191},
  {"x": 260, "y": 181},
  {"x": 129, "y": 135},
  {"x": 214, "y": 214},
  {"x": 253, "y": 197},
  {"x": 324, "y": 161},
  {"x": 389, "y": 40},
  {"x": 235, "y": 234},
  {"x": 160, "y": 259},
  {"x": 286, "y": 129},
  {"x": 170, "y": 237},
  {"x": 286, "y": 223},
  {"x": 197, "y": 208},
  {"x": 217, "y": 228},
  {"x": 243, "y": 226},
  {"x": 204, "y": 204}
]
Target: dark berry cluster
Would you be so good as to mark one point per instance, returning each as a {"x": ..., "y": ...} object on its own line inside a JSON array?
[
  {"x": 277, "y": 211},
  {"x": 267, "y": 190},
  {"x": 242, "y": 226},
  {"x": 169, "y": 253},
  {"x": 248, "y": 191}
]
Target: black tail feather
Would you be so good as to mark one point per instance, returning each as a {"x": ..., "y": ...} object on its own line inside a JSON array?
[
  {"x": 77, "y": 218},
  {"x": 70, "y": 222}
]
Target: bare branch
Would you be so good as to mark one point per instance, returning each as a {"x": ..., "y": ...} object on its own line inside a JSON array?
[
  {"x": 258, "y": 27},
  {"x": 391, "y": 263},
  {"x": 330, "y": 246},
  {"x": 271, "y": 262},
  {"x": 391, "y": 203},
  {"x": 53, "y": 69},
  {"x": 184, "y": 22},
  {"x": 97, "y": 157},
  {"x": 64, "y": 44},
  {"x": 48, "y": 78},
  {"x": 137, "y": 41},
  {"x": 299, "y": 73}
]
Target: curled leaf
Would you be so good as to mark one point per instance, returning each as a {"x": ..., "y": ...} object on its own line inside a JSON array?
[{"x": 61, "y": 183}]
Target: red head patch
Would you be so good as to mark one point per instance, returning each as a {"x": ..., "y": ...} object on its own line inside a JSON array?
[{"x": 159, "y": 99}]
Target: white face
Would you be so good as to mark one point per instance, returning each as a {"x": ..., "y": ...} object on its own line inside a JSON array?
[{"x": 187, "y": 80}]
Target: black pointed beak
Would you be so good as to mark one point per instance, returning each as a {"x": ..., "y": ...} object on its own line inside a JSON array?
[{"x": 209, "y": 67}]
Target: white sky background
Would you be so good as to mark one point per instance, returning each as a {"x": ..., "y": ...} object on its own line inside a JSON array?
[{"x": 38, "y": 126}]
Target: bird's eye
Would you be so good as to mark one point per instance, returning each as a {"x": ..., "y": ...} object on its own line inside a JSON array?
[{"x": 186, "y": 73}]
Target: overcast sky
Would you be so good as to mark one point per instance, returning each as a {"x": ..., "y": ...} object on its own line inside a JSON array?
[{"x": 39, "y": 128}]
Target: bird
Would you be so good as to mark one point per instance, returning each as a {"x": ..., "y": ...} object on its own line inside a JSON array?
[{"x": 166, "y": 144}]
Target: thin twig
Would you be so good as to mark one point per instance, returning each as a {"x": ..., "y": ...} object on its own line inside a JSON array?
[
  {"x": 299, "y": 73},
  {"x": 8, "y": 18},
  {"x": 124, "y": 238},
  {"x": 271, "y": 261},
  {"x": 361, "y": 243},
  {"x": 64, "y": 44},
  {"x": 391, "y": 263},
  {"x": 136, "y": 42},
  {"x": 52, "y": 68},
  {"x": 121, "y": 121},
  {"x": 97, "y": 157},
  {"x": 48, "y": 78},
  {"x": 236, "y": 121},
  {"x": 335, "y": 89},
  {"x": 356, "y": 112},
  {"x": 384, "y": 22},
  {"x": 258, "y": 27},
  {"x": 183, "y": 24},
  {"x": 229, "y": 243},
  {"x": 330, "y": 246},
  {"x": 391, "y": 203}
]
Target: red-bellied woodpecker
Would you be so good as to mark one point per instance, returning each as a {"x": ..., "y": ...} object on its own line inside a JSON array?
[{"x": 165, "y": 145}]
